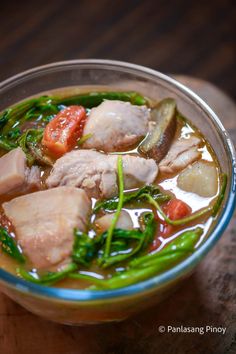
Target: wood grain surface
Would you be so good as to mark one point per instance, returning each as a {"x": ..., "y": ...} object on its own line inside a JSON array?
[
  {"x": 207, "y": 298},
  {"x": 194, "y": 38}
]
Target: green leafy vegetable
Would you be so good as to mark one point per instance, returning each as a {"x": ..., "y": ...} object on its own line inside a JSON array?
[
  {"x": 14, "y": 134},
  {"x": 149, "y": 228},
  {"x": 9, "y": 246},
  {"x": 93, "y": 99},
  {"x": 84, "y": 248},
  {"x": 17, "y": 114},
  {"x": 6, "y": 144},
  {"x": 12, "y": 131},
  {"x": 135, "y": 196},
  {"x": 49, "y": 278},
  {"x": 119, "y": 207},
  {"x": 133, "y": 242},
  {"x": 184, "y": 243},
  {"x": 37, "y": 155},
  {"x": 157, "y": 262},
  {"x": 220, "y": 198},
  {"x": 29, "y": 140},
  {"x": 4, "y": 118}
]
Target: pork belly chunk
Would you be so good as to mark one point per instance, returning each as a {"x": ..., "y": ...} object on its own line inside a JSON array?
[
  {"x": 115, "y": 126},
  {"x": 44, "y": 223},
  {"x": 12, "y": 170},
  {"x": 15, "y": 174},
  {"x": 182, "y": 153},
  {"x": 96, "y": 172}
]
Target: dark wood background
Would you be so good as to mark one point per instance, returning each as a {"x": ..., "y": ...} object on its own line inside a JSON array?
[
  {"x": 182, "y": 36},
  {"x": 192, "y": 38}
]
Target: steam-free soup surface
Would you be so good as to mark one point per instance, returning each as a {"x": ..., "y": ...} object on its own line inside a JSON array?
[{"x": 102, "y": 189}]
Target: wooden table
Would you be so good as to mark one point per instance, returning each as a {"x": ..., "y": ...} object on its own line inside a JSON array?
[
  {"x": 207, "y": 298},
  {"x": 194, "y": 38}
]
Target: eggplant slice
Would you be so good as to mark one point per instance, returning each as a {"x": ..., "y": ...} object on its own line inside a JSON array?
[{"x": 157, "y": 142}]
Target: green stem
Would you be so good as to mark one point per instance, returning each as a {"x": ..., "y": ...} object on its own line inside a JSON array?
[
  {"x": 220, "y": 198},
  {"x": 179, "y": 221},
  {"x": 153, "y": 264},
  {"x": 16, "y": 112},
  {"x": 93, "y": 99},
  {"x": 119, "y": 207},
  {"x": 49, "y": 278},
  {"x": 6, "y": 145},
  {"x": 84, "y": 138},
  {"x": 182, "y": 243},
  {"x": 89, "y": 278}
]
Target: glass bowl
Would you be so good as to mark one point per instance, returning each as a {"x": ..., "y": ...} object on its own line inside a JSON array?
[{"x": 84, "y": 306}]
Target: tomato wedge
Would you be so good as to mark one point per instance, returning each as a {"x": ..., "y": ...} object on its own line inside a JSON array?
[
  {"x": 62, "y": 133},
  {"x": 175, "y": 209}
]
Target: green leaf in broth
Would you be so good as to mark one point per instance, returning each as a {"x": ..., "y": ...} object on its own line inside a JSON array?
[
  {"x": 184, "y": 242},
  {"x": 135, "y": 196},
  {"x": 6, "y": 144},
  {"x": 9, "y": 246},
  {"x": 150, "y": 265},
  {"x": 16, "y": 114},
  {"x": 134, "y": 241},
  {"x": 84, "y": 248},
  {"x": 119, "y": 207},
  {"x": 14, "y": 134},
  {"x": 93, "y": 99},
  {"x": 48, "y": 278},
  {"x": 30, "y": 137},
  {"x": 4, "y": 117}
]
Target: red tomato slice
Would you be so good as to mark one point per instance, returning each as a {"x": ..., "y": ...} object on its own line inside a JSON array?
[
  {"x": 175, "y": 209},
  {"x": 62, "y": 133}
]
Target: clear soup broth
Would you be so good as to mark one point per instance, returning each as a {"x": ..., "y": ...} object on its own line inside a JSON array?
[{"x": 102, "y": 189}]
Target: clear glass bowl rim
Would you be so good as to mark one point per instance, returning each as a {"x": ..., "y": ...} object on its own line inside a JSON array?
[{"x": 175, "y": 272}]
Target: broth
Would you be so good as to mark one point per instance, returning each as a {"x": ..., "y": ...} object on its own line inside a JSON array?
[{"x": 167, "y": 182}]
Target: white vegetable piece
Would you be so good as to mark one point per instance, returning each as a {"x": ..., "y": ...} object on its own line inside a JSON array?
[
  {"x": 200, "y": 178},
  {"x": 124, "y": 221}
]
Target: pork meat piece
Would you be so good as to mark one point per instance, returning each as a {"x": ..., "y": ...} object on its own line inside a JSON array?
[
  {"x": 182, "y": 153},
  {"x": 32, "y": 177},
  {"x": 96, "y": 172},
  {"x": 44, "y": 223},
  {"x": 115, "y": 126},
  {"x": 15, "y": 174}
]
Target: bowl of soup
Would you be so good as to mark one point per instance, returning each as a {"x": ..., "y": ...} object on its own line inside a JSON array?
[{"x": 115, "y": 181}]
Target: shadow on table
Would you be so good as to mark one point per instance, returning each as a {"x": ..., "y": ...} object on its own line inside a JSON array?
[{"x": 141, "y": 334}]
